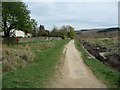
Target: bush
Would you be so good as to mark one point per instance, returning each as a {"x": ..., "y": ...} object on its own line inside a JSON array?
[{"x": 9, "y": 40}]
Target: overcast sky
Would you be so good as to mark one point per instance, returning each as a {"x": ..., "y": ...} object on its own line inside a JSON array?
[{"x": 80, "y": 15}]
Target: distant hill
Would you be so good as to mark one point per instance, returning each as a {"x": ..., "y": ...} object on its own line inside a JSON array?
[
  {"x": 98, "y": 30},
  {"x": 106, "y": 32},
  {"x": 109, "y": 30}
]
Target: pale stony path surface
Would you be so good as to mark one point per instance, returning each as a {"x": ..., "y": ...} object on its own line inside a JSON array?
[{"x": 74, "y": 73}]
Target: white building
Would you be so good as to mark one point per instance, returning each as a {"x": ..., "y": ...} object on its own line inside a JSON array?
[
  {"x": 17, "y": 33},
  {"x": 28, "y": 35}
]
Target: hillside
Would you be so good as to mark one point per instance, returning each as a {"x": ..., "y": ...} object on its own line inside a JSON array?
[{"x": 98, "y": 33}]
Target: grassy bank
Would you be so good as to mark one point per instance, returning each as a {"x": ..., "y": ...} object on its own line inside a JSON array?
[
  {"x": 104, "y": 73},
  {"x": 37, "y": 73}
]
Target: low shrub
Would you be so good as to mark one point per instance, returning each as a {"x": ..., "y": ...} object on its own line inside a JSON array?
[{"x": 9, "y": 40}]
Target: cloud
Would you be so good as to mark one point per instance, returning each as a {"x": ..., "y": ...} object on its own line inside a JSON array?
[
  {"x": 68, "y": 0},
  {"x": 79, "y": 14}
]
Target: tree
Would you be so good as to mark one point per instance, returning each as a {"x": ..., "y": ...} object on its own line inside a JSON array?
[
  {"x": 15, "y": 16},
  {"x": 42, "y": 31},
  {"x": 71, "y": 33},
  {"x": 54, "y": 32},
  {"x": 64, "y": 31},
  {"x": 0, "y": 16},
  {"x": 47, "y": 32},
  {"x": 34, "y": 27}
]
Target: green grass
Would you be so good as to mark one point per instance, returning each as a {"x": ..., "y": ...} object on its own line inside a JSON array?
[
  {"x": 104, "y": 73},
  {"x": 38, "y": 73}
]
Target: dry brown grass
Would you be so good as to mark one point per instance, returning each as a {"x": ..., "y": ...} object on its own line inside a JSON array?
[
  {"x": 18, "y": 57},
  {"x": 43, "y": 46}
]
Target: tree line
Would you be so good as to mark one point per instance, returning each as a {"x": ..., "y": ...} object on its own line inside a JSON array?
[
  {"x": 15, "y": 15},
  {"x": 63, "y": 32}
]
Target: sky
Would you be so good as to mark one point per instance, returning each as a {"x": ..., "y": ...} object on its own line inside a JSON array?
[{"x": 80, "y": 15}]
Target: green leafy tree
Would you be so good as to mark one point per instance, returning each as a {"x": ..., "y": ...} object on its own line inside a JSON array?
[
  {"x": 71, "y": 33},
  {"x": 47, "y": 33},
  {"x": 0, "y": 16},
  {"x": 34, "y": 27},
  {"x": 15, "y": 16},
  {"x": 64, "y": 31},
  {"x": 41, "y": 31},
  {"x": 54, "y": 32}
]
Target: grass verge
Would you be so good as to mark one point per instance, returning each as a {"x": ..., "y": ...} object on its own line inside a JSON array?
[
  {"x": 38, "y": 73},
  {"x": 106, "y": 74}
]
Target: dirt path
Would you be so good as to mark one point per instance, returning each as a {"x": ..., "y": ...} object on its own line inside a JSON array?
[{"x": 74, "y": 73}]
